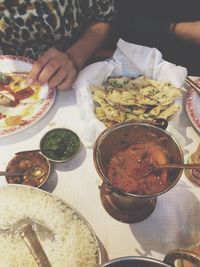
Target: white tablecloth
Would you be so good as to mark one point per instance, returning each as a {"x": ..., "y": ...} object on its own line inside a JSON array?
[{"x": 175, "y": 221}]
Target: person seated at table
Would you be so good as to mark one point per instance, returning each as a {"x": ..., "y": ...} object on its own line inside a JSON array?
[
  {"x": 61, "y": 35},
  {"x": 172, "y": 26}
]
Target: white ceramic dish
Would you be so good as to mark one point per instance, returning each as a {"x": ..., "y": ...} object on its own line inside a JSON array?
[{"x": 31, "y": 112}]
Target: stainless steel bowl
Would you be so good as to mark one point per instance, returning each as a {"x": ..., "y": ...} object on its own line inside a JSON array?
[
  {"x": 23, "y": 162},
  {"x": 65, "y": 144}
]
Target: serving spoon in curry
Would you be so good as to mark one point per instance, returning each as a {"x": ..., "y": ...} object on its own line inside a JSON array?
[{"x": 155, "y": 168}]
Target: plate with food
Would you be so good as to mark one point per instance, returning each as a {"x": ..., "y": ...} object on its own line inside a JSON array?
[
  {"x": 21, "y": 106},
  {"x": 121, "y": 99},
  {"x": 65, "y": 235},
  {"x": 192, "y": 105}
]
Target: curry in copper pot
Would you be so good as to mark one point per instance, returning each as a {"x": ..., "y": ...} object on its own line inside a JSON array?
[{"x": 127, "y": 166}]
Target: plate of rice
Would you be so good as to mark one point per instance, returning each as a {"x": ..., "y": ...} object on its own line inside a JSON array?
[{"x": 69, "y": 239}]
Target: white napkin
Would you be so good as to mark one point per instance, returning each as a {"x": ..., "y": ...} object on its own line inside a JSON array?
[
  {"x": 128, "y": 60},
  {"x": 136, "y": 60}
]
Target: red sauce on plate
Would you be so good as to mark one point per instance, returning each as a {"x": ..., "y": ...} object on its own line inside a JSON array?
[
  {"x": 127, "y": 166},
  {"x": 4, "y": 87},
  {"x": 18, "y": 95},
  {"x": 24, "y": 93}
]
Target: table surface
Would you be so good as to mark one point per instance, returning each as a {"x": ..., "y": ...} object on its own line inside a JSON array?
[{"x": 173, "y": 224}]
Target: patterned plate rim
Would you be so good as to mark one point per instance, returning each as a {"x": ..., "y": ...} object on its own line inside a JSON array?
[
  {"x": 45, "y": 106},
  {"x": 190, "y": 109}
]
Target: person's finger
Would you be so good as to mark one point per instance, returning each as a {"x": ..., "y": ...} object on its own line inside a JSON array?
[
  {"x": 67, "y": 83},
  {"x": 39, "y": 65},
  {"x": 49, "y": 70},
  {"x": 58, "y": 77}
]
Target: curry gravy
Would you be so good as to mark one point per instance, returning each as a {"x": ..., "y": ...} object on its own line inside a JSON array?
[{"x": 127, "y": 166}]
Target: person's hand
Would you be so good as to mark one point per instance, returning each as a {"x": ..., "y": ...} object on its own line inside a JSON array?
[
  {"x": 187, "y": 31},
  {"x": 54, "y": 68}
]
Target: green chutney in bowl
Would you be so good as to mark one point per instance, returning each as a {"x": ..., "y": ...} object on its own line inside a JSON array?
[{"x": 60, "y": 144}]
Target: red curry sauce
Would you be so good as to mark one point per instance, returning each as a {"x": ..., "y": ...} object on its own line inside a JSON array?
[
  {"x": 19, "y": 95},
  {"x": 127, "y": 166}
]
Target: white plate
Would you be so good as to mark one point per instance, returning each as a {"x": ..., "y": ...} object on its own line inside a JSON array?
[
  {"x": 193, "y": 106},
  {"x": 37, "y": 109},
  {"x": 65, "y": 235}
]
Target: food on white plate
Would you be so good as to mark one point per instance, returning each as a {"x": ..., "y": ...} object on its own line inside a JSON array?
[
  {"x": 6, "y": 98},
  {"x": 17, "y": 99},
  {"x": 122, "y": 98},
  {"x": 14, "y": 89}
]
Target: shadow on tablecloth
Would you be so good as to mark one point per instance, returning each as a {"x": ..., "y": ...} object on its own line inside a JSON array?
[
  {"x": 72, "y": 164},
  {"x": 173, "y": 224},
  {"x": 51, "y": 183}
]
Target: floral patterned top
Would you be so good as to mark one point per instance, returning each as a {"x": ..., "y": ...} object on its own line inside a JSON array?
[{"x": 30, "y": 27}]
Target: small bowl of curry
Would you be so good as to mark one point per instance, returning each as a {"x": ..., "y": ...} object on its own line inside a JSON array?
[
  {"x": 33, "y": 169},
  {"x": 60, "y": 144}
]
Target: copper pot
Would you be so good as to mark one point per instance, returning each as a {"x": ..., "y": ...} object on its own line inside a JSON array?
[
  {"x": 123, "y": 206},
  {"x": 170, "y": 258}
]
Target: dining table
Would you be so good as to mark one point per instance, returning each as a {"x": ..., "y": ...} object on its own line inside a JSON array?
[{"x": 175, "y": 222}]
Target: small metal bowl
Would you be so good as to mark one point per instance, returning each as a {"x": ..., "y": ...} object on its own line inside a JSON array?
[
  {"x": 60, "y": 145},
  {"x": 21, "y": 163}
]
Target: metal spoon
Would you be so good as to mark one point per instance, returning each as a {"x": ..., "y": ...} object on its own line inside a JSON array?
[
  {"x": 34, "y": 172},
  {"x": 35, "y": 150},
  {"x": 154, "y": 168},
  {"x": 31, "y": 239}
]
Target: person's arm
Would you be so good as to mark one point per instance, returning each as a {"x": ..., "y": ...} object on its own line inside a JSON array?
[
  {"x": 89, "y": 43},
  {"x": 187, "y": 31},
  {"x": 59, "y": 69}
]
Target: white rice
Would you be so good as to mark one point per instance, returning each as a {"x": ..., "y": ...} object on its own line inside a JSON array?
[{"x": 73, "y": 244}]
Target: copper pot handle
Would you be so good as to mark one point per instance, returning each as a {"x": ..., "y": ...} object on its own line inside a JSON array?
[
  {"x": 159, "y": 122},
  {"x": 182, "y": 254},
  {"x": 105, "y": 189}
]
